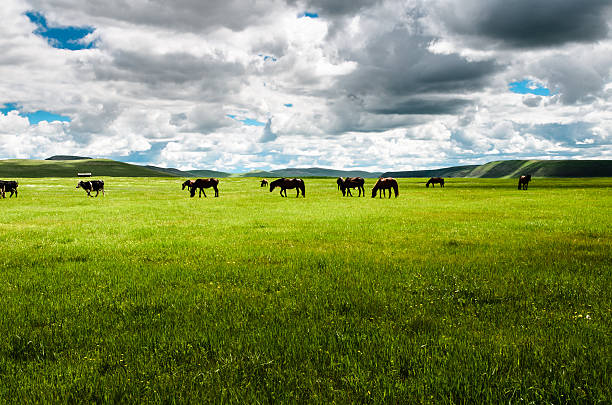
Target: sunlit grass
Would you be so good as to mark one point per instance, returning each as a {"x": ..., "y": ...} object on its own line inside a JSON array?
[{"x": 476, "y": 292}]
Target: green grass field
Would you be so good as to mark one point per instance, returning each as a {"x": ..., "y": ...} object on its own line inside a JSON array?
[{"x": 473, "y": 293}]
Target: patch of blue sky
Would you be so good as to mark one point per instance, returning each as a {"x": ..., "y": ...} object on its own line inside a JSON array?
[
  {"x": 69, "y": 37},
  {"x": 308, "y": 14},
  {"x": 248, "y": 121},
  {"x": 36, "y": 116},
  {"x": 8, "y": 107},
  {"x": 288, "y": 105},
  {"x": 528, "y": 87}
]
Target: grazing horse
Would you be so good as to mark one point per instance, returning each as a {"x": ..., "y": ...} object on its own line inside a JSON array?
[
  {"x": 264, "y": 183},
  {"x": 8, "y": 186},
  {"x": 201, "y": 184},
  {"x": 524, "y": 181},
  {"x": 92, "y": 185},
  {"x": 188, "y": 184},
  {"x": 350, "y": 182},
  {"x": 435, "y": 180},
  {"x": 284, "y": 184},
  {"x": 385, "y": 183}
]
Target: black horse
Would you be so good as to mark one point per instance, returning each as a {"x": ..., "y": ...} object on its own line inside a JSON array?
[
  {"x": 523, "y": 182},
  {"x": 435, "y": 180},
  {"x": 284, "y": 184},
  {"x": 201, "y": 184},
  {"x": 8, "y": 186},
  {"x": 345, "y": 185},
  {"x": 264, "y": 183}
]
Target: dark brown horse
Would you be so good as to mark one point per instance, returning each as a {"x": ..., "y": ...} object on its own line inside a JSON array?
[
  {"x": 188, "y": 184},
  {"x": 264, "y": 183},
  {"x": 351, "y": 182},
  {"x": 524, "y": 181},
  {"x": 284, "y": 184},
  {"x": 384, "y": 184},
  {"x": 201, "y": 184},
  {"x": 435, "y": 180}
]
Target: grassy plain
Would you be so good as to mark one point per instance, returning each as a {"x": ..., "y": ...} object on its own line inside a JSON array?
[{"x": 473, "y": 293}]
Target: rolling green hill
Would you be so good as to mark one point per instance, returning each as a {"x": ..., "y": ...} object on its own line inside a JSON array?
[
  {"x": 455, "y": 171},
  {"x": 69, "y": 168},
  {"x": 515, "y": 168},
  {"x": 53, "y": 167}
]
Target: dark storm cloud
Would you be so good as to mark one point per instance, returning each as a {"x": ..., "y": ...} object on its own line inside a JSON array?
[
  {"x": 528, "y": 23},
  {"x": 396, "y": 74},
  {"x": 401, "y": 65},
  {"x": 424, "y": 106},
  {"x": 179, "y": 71},
  {"x": 179, "y": 15},
  {"x": 326, "y": 8}
]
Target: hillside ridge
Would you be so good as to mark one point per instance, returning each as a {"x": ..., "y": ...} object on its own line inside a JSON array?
[{"x": 53, "y": 167}]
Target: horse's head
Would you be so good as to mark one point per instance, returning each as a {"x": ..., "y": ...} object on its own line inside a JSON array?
[
  {"x": 272, "y": 186},
  {"x": 427, "y": 185},
  {"x": 186, "y": 184},
  {"x": 340, "y": 182},
  {"x": 80, "y": 184}
]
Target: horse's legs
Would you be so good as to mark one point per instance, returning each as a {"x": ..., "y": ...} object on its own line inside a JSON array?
[
  {"x": 203, "y": 192},
  {"x": 389, "y": 193},
  {"x": 216, "y": 191},
  {"x": 348, "y": 191},
  {"x": 97, "y": 192},
  {"x": 298, "y": 192}
]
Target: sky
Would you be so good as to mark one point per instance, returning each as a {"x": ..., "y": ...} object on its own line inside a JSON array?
[{"x": 241, "y": 85}]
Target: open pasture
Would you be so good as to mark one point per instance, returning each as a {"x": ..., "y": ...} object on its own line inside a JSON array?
[{"x": 474, "y": 293}]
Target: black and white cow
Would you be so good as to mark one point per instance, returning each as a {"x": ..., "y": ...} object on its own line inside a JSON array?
[
  {"x": 92, "y": 185},
  {"x": 8, "y": 186}
]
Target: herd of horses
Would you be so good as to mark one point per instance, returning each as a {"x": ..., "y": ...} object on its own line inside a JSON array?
[{"x": 344, "y": 184}]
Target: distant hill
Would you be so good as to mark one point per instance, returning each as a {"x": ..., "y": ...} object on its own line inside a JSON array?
[
  {"x": 455, "y": 171},
  {"x": 69, "y": 168},
  {"x": 189, "y": 173},
  {"x": 66, "y": 157},
  {"x": 514, "y": 168},
  {"x": 208, "y": 173},
  {"x": 312, "y": 172}
]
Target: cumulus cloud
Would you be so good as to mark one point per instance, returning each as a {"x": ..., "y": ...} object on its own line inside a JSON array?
[{"x": 376, "y": 85}]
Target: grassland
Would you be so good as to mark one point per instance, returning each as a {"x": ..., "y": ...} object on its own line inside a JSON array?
[{"x": 473, "y": 293}]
